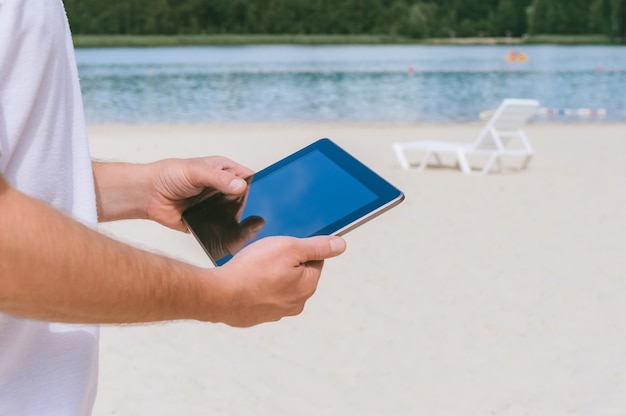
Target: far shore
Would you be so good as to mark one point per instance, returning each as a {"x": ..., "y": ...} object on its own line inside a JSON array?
[{"x": 90, "y": 41}]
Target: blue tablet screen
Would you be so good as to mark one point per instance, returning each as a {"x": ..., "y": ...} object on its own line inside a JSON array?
[{"x": 302, "y": 198}]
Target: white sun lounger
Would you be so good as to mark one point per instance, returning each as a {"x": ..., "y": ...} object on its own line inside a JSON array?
[{"x": 503, "y": 135}]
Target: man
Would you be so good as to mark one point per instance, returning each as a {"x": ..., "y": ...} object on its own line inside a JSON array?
[{"x": 58, "y": 277}]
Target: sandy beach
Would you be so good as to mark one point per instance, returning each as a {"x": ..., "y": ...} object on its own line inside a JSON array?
[{"x": 496, "y": 295}]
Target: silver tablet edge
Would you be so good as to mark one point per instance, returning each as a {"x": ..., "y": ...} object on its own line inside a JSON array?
[
  {"x": 369, "y": 216},
  {"x": 192, "y": 232}
]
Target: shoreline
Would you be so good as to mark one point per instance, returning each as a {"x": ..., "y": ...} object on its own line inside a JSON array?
[
  {"x": 91, "y": 41},
  {"x": 398, "y": 124}
]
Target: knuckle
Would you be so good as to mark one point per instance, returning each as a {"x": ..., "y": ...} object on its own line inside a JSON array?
[{"x": 296, "y": 310}]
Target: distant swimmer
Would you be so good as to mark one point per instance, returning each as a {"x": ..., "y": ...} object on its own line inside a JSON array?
[{"x": 515, "y": 56}]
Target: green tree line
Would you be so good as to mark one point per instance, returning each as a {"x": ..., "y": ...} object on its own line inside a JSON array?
[{"x": 408, "y": 18}]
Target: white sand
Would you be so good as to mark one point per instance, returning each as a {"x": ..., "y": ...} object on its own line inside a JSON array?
[{"x": 495, "y": 295}]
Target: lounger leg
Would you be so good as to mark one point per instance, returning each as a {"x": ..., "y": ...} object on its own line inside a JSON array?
[
  {"x": 493, "y": 158},
  {"x": 499, "y": 162},
  {"x": 463, "y": 163},
  {"x": 424, "y": 161},
  {"x": 526, "y": 161},
  {"x": 397, "y": 148}
]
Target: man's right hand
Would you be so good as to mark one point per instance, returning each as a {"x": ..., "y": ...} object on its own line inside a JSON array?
[{"x": 273, "y": 278}]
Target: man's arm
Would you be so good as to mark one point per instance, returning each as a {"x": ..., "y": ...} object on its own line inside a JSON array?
[{"x": 53, "y": 268}]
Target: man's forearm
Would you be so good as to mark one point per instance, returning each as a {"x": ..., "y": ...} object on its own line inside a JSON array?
[
  {"x": 53, "y": 268},
  {"x": 121, "y": 190}
]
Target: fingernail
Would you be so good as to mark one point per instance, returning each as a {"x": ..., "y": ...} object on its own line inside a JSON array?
[
  {"x": 236, "y": 184},
  {"x": 337, "y": 245}
]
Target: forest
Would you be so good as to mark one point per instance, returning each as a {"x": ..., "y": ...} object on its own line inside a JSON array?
[{"x": 414, "y": 19}]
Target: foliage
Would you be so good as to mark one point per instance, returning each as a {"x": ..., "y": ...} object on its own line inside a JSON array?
[
  {"x": 578, "y": 17},
  {"x": 406, "y": 18}
]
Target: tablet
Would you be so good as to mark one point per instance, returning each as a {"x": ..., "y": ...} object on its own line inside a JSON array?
[{"x": 318, "y": 190}]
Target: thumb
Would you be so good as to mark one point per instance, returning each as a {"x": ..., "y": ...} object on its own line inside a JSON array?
[
  {"x": 322, "y": 247},
  {"x": 202, "y": 176}
]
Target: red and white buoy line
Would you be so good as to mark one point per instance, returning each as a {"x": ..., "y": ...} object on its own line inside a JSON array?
[
  {"x": 583, "y": 113},
  {"x": 572, "y": 112}
]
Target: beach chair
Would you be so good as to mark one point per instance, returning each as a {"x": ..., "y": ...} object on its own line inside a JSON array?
[{"x": 502, "y": 136}]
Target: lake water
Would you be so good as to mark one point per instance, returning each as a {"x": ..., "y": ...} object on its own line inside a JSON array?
[{"x": 400, "y": 83}]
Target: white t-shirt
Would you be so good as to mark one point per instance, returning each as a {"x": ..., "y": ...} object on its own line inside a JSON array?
[{"x": 45, "y": 368}]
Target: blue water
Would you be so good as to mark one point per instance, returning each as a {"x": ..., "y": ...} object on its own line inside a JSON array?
[{"x": 403, "y": 83}]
